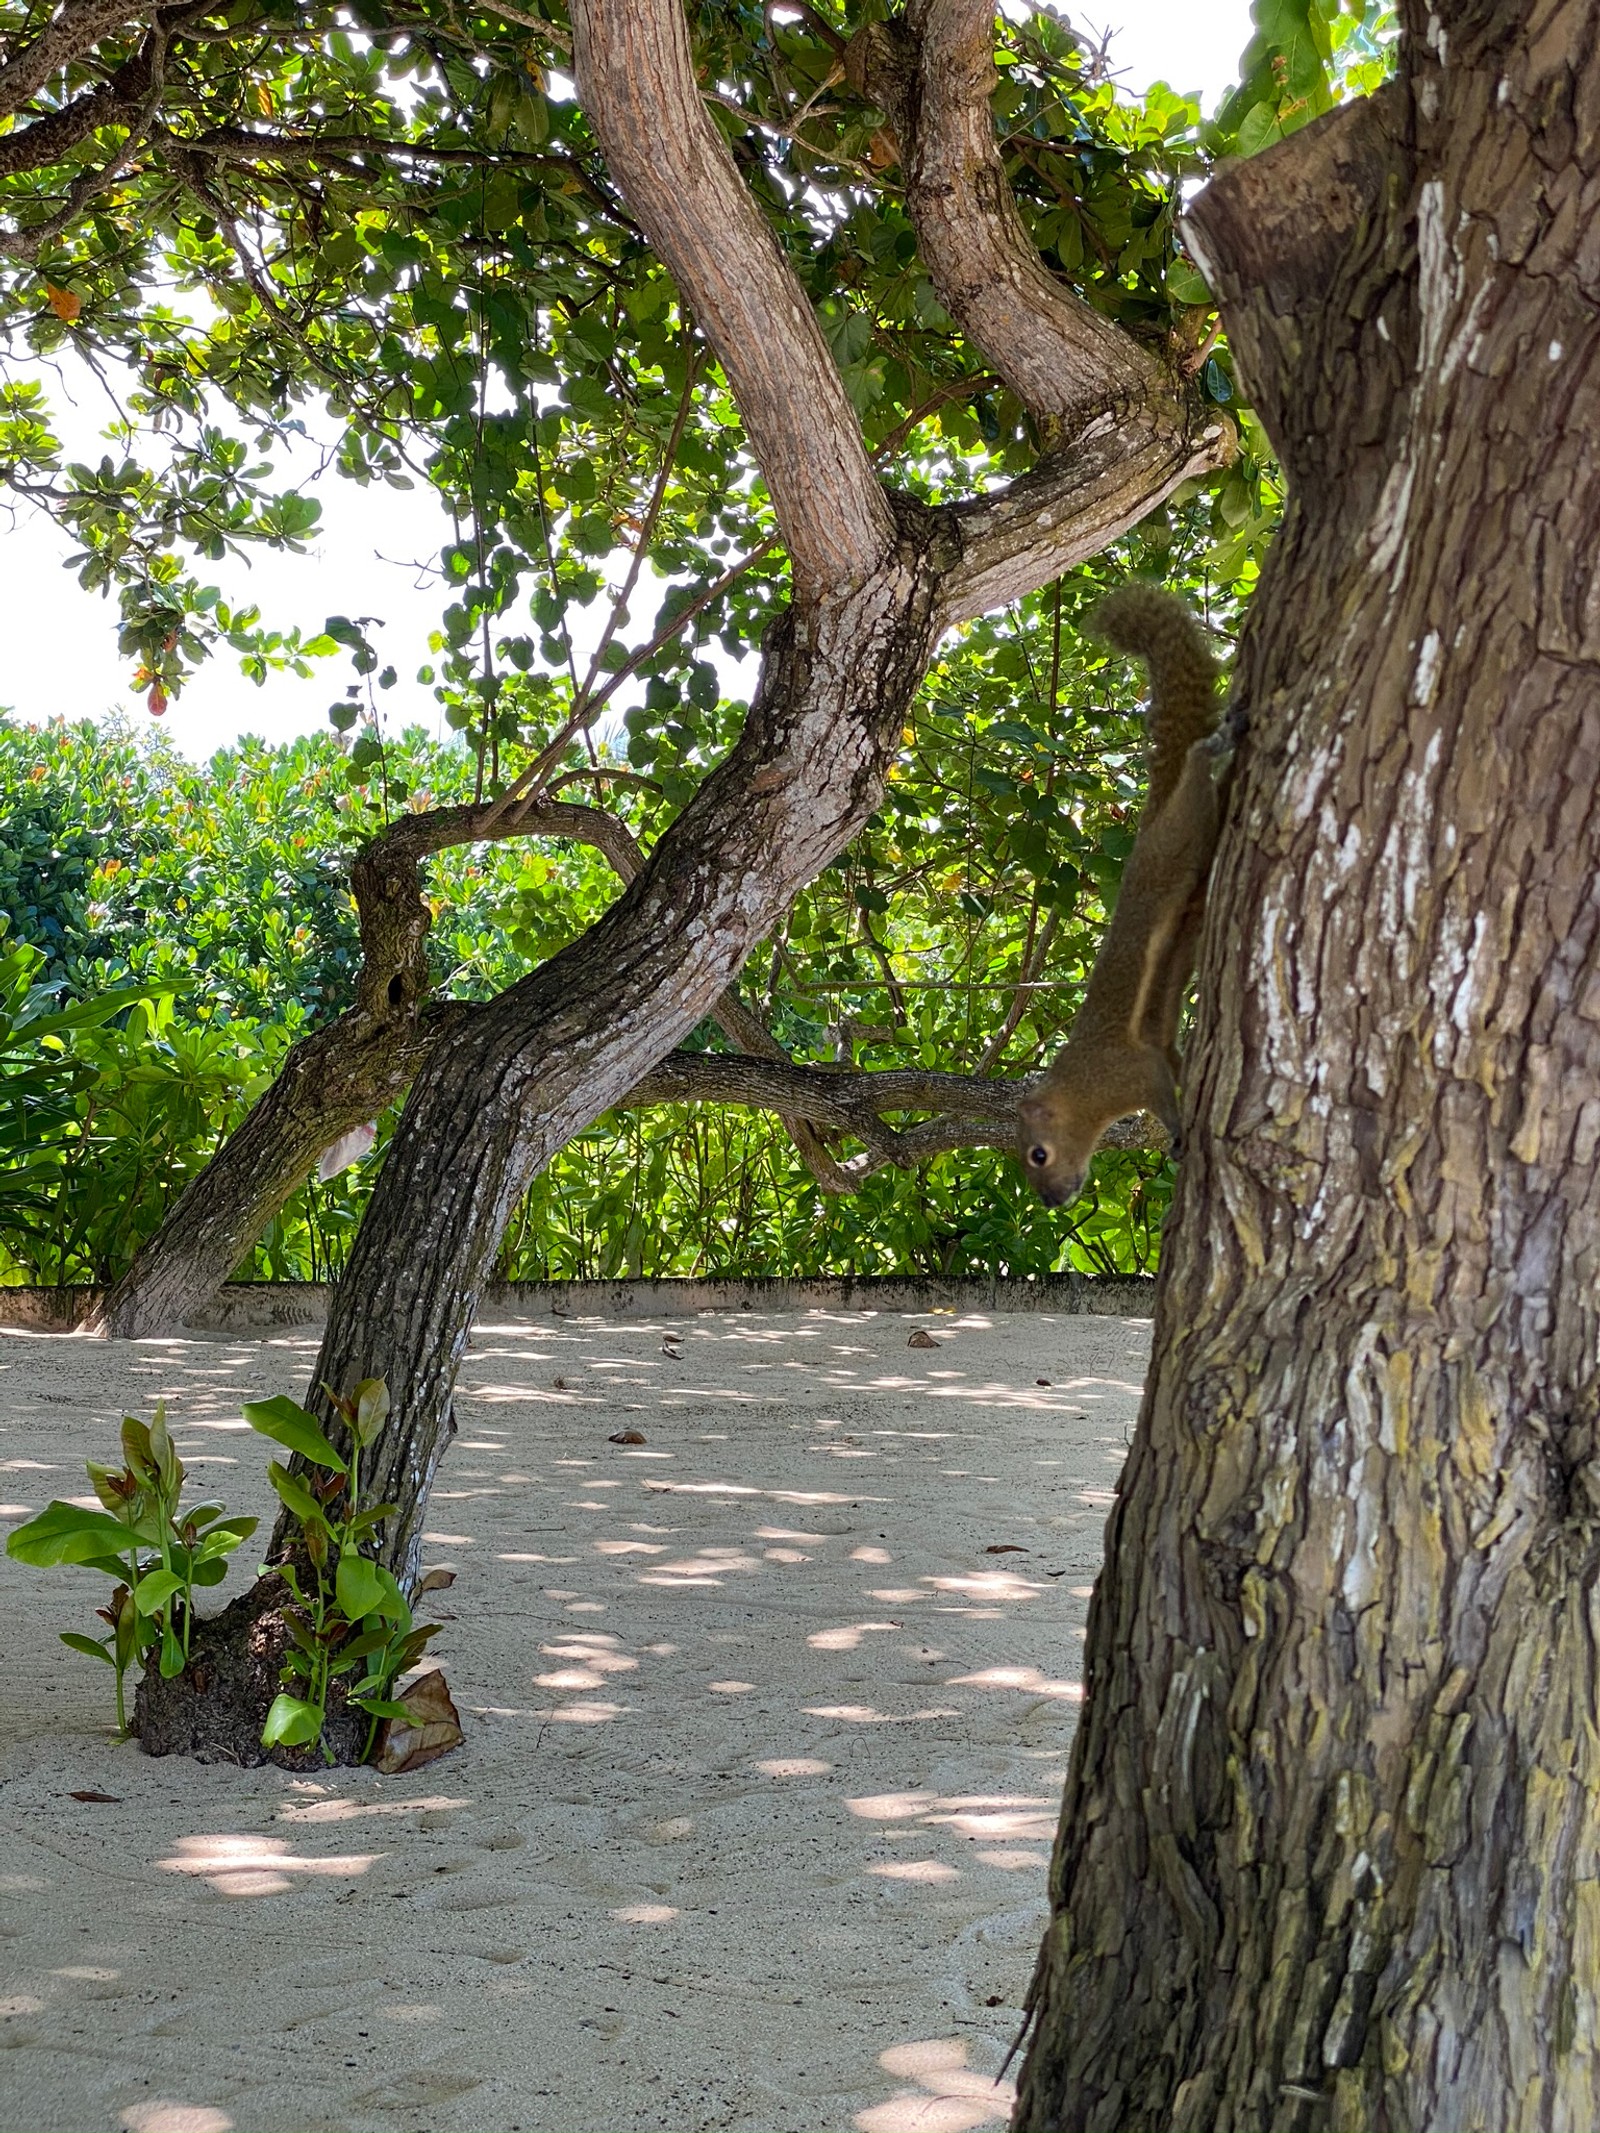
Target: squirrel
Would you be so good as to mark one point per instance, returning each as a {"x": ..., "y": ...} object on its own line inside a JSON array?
[{"x": 1122, "y": 1054}]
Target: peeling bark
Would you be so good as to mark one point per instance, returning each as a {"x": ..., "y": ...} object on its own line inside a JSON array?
[{"x": 1331, "y": 1836}]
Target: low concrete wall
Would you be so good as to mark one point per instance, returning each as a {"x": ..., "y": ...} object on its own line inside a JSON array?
[{"x": 251, "y": 1306}]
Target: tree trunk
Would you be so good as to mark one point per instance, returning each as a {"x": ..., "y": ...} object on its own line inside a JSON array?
[
  {"x": 535, "y": 1066},
  {"x": 877, "y": 578},
  {"x": 1330, "y": 1845}
]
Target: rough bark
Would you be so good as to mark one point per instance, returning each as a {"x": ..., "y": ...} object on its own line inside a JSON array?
[{"x": 1330, "y": 1845}]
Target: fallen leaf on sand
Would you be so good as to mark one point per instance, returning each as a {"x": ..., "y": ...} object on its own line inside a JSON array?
[
  {"x": 559, "y": 1384},
  {"x": 1005, "y": 1548},
  {"x": 435, "y": 1580},
  {"x": 669, "y": 1346},
  {"x": 431, "y": 1727},
  {"x": 1041, "y": 1381},
  {"x": 629, "y": 1436},
  {"x": 921, "y": 1339},
  {"x": 100, "y": 1799}
]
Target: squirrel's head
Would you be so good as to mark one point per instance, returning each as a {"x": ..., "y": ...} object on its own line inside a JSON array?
[{"x": 1054, "y": 1169}]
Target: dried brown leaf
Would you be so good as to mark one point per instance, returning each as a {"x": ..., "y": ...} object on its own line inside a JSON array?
[{"x": 431, "y": 1729}]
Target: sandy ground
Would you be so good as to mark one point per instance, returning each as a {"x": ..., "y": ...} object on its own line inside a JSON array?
[{"x": 764, "y": 1747}]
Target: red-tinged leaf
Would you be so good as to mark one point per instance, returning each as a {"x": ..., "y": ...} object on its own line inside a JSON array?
[
  {"x": 63, "y": 303},
  {"x": 1006, "y": 1548},
  {"x": 98, "y": 1799},
  {"x": 156, "y": 701}
]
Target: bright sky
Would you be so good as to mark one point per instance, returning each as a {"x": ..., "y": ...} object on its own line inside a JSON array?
[{"x": 60, "y": 648}]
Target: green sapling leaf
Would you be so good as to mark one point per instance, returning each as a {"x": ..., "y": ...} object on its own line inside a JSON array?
[
  {"x": 291, "y": 1723},
  {"x": 156, "y": 1590},
  {"x": 89, "y": 1647},
  {"x": 370, "y": 1402},
  {"x": 358, "y": 1586},
  {"x": 67, "y": 1533},
  {"x": 299, "y": 1500},
  {"x": 290, "y": 1425}
]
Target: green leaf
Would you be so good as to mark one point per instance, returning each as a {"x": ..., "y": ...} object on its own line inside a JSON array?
[
  {"x": 299, "y": 1500},
  {"x": 291, "y": 1723},
  {"x": 371, "y": 1402},
  {"x": 156, "y": 1590},
  {"x": 379, "y": 1707},
  {"x": 137, "y": 1449},
  {"x": 67, "y": 1533},
  {"x": 358, "y": 1586},
  {"x": 87, "y": 1645},
  {"x": 288, "y": 1424},
  {"x": 370, "y": 1640},
  {"x": 223, "y": 1538},
  {"x": 393, "y": 1606}
]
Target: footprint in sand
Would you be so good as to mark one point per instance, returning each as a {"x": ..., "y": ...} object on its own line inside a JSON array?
[{"x": 416, "y": 2090}]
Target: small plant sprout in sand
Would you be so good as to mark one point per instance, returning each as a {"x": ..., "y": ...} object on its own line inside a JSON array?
[
  {"x": 349, "y": 1620},
  {"x": 157, "y": 1551}
]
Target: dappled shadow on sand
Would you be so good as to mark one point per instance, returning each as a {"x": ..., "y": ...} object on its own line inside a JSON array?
[{"x": 767, "y": 1714}]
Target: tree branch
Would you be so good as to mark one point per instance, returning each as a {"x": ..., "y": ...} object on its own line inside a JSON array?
[
  {"x": 1073, "y": 504},
  {"x": 76, "y": 29},
  {"x": 973, "y": 1112},
  {"x": 635, "y": 73},
  {"x": 934, "y": 75}
]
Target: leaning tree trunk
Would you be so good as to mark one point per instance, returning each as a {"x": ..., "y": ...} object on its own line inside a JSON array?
[
  {"x": 876, "y": 582},
  {"x": 1330, "y": 1848}
]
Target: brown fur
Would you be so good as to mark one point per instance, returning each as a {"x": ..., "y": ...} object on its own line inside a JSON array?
[{"x": 1122, "y": 1053}]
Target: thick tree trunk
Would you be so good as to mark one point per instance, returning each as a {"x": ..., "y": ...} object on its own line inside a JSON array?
[{"x": 1330, "y": 1845}]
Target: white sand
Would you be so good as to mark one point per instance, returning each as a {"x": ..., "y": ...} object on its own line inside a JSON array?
[{"x": 763, "y": 1757}]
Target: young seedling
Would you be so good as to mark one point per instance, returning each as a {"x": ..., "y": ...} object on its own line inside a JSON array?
[
  {"x": 349, "y": 1616},
  {"x": 157, "y": 1551}
]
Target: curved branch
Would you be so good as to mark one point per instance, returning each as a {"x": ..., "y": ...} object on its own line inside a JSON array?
[
  {"x": 934, "y": 75},
  {"x": 1073, "y": 504},
  {"x": 635, "y": 73},
  {"x": 339, "y": 1076},
  {"x": 973, "y": 1111},
  {"x": 48, "y": 139}
]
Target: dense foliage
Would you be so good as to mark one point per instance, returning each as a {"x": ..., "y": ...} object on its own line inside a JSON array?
[
  {"x": 955, "y": 933},
  {"x": 391, "y": 217}
]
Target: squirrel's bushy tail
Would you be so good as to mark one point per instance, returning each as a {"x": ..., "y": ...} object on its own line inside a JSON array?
[{"x": 1156, "y": 626}]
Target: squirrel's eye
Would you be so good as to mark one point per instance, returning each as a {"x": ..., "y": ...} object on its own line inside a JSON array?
[{"x": 1038, "y": 1155}]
